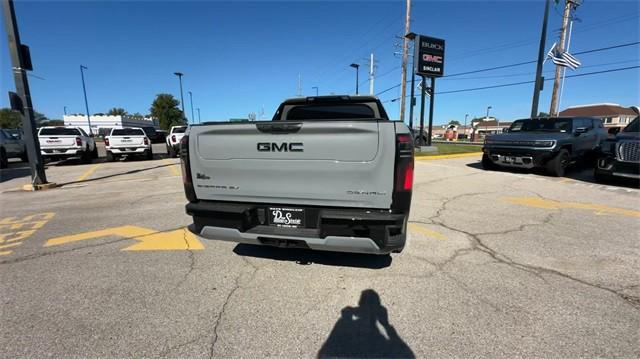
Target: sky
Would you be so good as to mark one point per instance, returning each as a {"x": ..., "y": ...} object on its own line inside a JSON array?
[{"x": 241, "y": 57}]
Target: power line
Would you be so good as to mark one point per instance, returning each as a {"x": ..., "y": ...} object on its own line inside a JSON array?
[
  {"x": 527, "y": 82},
  {"x": 522, "y": 63}
]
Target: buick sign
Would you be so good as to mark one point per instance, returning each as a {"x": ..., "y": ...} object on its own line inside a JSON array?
[{"x": 429, "y": 56}]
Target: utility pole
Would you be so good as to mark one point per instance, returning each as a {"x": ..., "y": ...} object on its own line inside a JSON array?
[
  {"x": 86, "y": 102},
  {"x": 193, "y": 118},
  {"x": 299, "y": 85},
  {"x": 180, "y": 74},
  {"x": 405, "y": 56},
  {"x": 199, "y": 121},
  {"x": 371, "y": 75},
  {"x": 465, "y": 125},
  {"x": 21, "y": 62},
  {"x": 539, "y": 79},
  {"x": 553, "y": 110},
  {"x": 564, "y": 69},
  {"x": 65, "y": 110}
]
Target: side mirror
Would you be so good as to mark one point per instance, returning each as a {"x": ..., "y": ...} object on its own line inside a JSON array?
[
  {"x": 92, "y": 135},
  {"x": 613, "y": 130},
  {"x": 581, "y": 130}
]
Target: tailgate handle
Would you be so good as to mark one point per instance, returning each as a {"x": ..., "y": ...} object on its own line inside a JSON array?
[{"x": 279, "y": 127}]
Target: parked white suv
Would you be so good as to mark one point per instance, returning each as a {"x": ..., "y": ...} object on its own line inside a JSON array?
[
  {"x": 128, "y": 141},
  {"x": 11, "y": 145},
  {"x": 65, "y": 142},
  {"x": 173, "y": 140}
]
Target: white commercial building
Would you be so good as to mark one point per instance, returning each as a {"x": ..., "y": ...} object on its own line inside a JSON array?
[{"x": 102, "y": 124}]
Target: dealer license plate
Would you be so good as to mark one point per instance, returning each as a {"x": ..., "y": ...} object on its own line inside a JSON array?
[{"x": 286, "y": 217}]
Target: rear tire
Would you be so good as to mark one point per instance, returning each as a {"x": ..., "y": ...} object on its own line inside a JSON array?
[
  {"x": 170, "y": 152},
  {"x": 4, "y": 161},
  {"x": 487, "y": 163},
  {"x": 149, "y": 155},
  {"x": 94, "y": 153},
  {"x": 110, "y": 157},
  {"x": 86, "y": 156},
  {"x": 24, "y": 157},
  {"x": 557, "y": 165}
]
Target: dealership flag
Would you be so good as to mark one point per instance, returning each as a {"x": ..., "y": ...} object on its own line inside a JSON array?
[{"x": 564, "y": 59}]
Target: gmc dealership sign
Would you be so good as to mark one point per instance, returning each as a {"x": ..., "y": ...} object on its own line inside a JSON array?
[{"x": 429, "y": 56}]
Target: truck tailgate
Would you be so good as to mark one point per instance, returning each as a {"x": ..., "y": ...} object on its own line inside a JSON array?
[
  {"x": 125, "y": 141},
  {"x": 321, "y": 163},
  {"x": 57, "y": 141}
]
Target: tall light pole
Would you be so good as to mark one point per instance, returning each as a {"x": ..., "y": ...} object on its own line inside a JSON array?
[
  {"x": 65, "y": 110},
  {"x": 21, "y": 63},
  {"x": 357, "y": 67},
  {"x": 316, "y": 88},
  {"x": 180, "y": 74},
  {"x": 86, "y": 103},
  {"x": 199, "y": 121},
  {"x": 405, "y": 57},
  {"x": 193, "y": 118},
  {"x": 539, "y": 79},
  {"x": 488, "y": 108}
]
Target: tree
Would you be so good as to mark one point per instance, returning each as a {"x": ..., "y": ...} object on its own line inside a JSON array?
[
  {"x": 454, "y": 122},
  {"x": 165, "y": 109},
  {"x": 117, "y": 111},
  {"x": 54, "y": 122},
  {"x": 10, "y": 118},
  {"x": 543, "y": 114}
]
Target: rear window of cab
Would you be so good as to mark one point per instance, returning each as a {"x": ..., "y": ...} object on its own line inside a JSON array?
[{"x": 127, "y": 132}]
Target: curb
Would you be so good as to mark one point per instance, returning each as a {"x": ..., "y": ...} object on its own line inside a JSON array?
[{"x": 443, "y": 157}]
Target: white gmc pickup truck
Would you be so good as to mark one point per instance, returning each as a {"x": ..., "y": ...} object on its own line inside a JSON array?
[
  {"x": 65, "y": 142},
  {"x": 328, "y": 173},
  {"x": 128, "y": 141},
  {"x": 173, "y": 140}
]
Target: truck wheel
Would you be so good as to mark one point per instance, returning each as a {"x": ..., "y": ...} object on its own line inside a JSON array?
[
  {"x": 24, "y": 157},
  {"x": 94, "y": 153},
  {"x": 170, "y": 152},
  {"x": 110, "y": 156},
  {"x": 149, "y": 154},
  {"x": 487, "y": 163},
  {"x": 557, "y": 165},
  {"x": 4, "y": 161},
  {"x": 86, "y": 156}
]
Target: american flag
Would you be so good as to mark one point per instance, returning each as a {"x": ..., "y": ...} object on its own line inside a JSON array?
[{"x": 563, "y": 58}]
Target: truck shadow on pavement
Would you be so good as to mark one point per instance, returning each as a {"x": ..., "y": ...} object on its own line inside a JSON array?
[
  {"x": 117, "y": 174},
  {"x": 10, "y": 173},
  {"x": 307, "y": 257},
  {"x": 365, "y": 332}
]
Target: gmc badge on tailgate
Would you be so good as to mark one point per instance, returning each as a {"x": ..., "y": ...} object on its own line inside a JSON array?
[{"x": 282, "y": 147}]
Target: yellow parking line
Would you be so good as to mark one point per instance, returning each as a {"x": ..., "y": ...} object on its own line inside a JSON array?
[
  {"x": 173, "y": 168},
  {"x": 4, "y": 253},
  {"x": 10, "y": 245},
  {"x": 427, "y": 232},
  {"x": 87, "y": 173},
  {"x": 597, "y": 209},
  {"x": 442, "y": 157}
]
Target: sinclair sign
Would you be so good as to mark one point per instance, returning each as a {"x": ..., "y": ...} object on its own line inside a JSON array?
[{"x": 429, "y": 56}]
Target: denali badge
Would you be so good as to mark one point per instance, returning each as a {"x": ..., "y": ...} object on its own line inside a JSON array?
[{"x": 282, "y": 147}]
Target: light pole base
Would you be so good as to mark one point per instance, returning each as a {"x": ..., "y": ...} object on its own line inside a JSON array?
[{"x": 39, "y": 187}]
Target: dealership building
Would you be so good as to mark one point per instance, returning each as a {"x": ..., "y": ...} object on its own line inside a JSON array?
[{"x": 102, "y": 124}]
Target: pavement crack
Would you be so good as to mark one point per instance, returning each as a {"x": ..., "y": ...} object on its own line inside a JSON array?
[
  {"x": 190, "y": 255},
  {"x": 227, "y": 300},
  {"x": 537, "y": 271}
]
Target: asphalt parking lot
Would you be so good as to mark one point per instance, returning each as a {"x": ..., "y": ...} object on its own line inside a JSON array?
[{"x": 498, "y": 264}]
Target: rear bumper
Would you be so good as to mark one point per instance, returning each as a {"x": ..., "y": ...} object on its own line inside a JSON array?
[
  {"x": 331, "y": 229},
  {"x": 128, "y": 150},
  {"x": 60, "y": 152}
]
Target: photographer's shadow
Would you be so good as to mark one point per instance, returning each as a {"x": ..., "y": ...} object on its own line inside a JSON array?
[{"x": 364, "y": 331}]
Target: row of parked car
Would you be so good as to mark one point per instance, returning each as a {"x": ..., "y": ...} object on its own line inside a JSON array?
[
  {"x": 63, "y": 142},
  {"x": 555, "y": 143}
]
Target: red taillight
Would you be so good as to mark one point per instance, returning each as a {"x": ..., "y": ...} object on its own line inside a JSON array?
[
  {"x": 173, "y": 138},
  {"x": 106, "y": 141},
  {"x": 146, "y": 141},
  {"x": 404, "y": 162},
  {"x": 408, "y": 177},
  {"x": 78, "y": 142}
]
